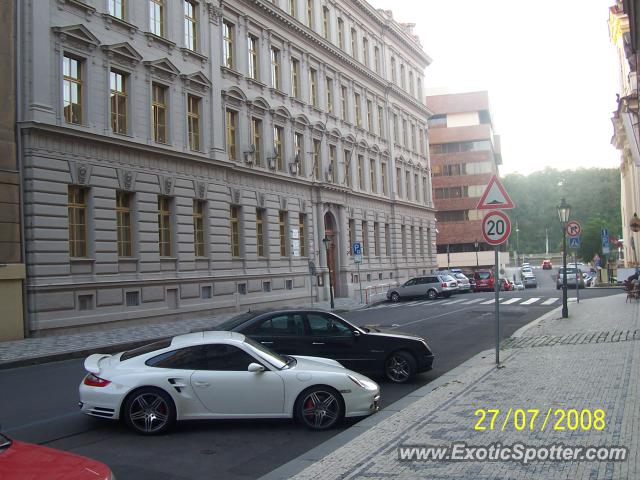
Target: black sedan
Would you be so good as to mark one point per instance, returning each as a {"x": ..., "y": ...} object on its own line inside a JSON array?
[{"x": 323, "y": 334}]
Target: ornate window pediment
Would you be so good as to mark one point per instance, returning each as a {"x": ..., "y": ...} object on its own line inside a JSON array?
[
  {"x": 162, "y": 67},
  {"x": 196, "y": 80},
  {"x": 123, "y": 52},
  {"x": 78, "y": 36}
]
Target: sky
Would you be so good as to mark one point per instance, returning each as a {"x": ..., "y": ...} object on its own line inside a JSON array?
[{"x": 548, "y": 65}]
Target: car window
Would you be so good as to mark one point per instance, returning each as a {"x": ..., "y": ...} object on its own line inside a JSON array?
[
  {"x": 226, "y": 358},
  {"x": 236, "y": 321},
  {"x": 410, "y": 282},
  {"x": 322, "y": 325},
  {"x": 432, "y": 280},
  {"x": 483, "y": 275},
  {"x": 460, "y": 276},
  {"x": 286, "y": 325},
  {"x": 448, "y": 278},
  {"x": 423, "y": 280},
  {"x": 188, "y": 358}
]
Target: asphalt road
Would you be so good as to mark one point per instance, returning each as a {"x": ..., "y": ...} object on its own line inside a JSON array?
[{"x": 39, "y": 403}]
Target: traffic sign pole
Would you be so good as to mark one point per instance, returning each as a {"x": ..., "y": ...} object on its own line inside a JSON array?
[{"x": 496, "y": 287}]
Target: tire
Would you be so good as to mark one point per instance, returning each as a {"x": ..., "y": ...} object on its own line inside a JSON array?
[
  {"x": 400, "y": 367},
  {"x": 319, "y": 408},
  {"x": 143, "y": 407},
  {"x": 432, "y": 294},
  {"x": 395, "y": 297}
]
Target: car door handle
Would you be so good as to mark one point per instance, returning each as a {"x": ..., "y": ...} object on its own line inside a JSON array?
[
  {"x": 202, "y": 384},
  {"x": 267, "y": 343},
  {"x": 318, "y": 343}
]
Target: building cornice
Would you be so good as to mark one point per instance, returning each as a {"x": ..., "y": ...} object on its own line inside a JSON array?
[{"x": 291, "y": 23}]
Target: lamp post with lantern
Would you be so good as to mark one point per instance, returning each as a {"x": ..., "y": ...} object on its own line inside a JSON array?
[{"x": 564, "y": 210}]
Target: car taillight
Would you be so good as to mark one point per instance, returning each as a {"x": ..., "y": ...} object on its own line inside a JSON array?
[
  {"x": 443, "y": 285},
  {"x": 93, "y": 381}
]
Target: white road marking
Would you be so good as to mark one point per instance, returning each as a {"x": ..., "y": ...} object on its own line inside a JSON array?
[
  {"x": 489, "y": 302},
  {"x": 451, "y": 302},
  {"x": 550, "y": 301},
  {"x": 530, "y": 301},
  {"x": 511, "y": 300},
  {"x": 469, "y": 302}
]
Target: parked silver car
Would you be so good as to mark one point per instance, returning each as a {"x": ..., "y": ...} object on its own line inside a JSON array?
[
  {"x": 464, "y": 285},
  {"x": 571, "y": 278},
  {"x": 430, "y": 285}
]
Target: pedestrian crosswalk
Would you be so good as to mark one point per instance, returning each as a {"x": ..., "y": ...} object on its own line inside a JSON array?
[{"x": 511, "y": 301}]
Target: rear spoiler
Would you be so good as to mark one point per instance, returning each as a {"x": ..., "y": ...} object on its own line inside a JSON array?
[{"x": 92, "y": 362}]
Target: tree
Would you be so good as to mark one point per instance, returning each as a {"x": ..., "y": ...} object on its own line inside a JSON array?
[{"x": 591, "y": 242}]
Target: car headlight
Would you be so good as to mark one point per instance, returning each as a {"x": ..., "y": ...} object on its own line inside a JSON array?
[{"x": 367, "y": 385}]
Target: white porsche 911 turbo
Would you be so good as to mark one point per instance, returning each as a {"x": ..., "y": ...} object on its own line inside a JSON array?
[{"x": 212, "y": 375}]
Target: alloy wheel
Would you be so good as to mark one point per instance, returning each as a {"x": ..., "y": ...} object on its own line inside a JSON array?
[
  {"x": 398, "y": 369},
  {"x": 320, "y": 409},
  {"x": 149, "y": 412}
]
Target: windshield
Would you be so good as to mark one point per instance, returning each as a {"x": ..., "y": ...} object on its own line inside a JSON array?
[
  {"x": 278, "y": 361},
  {"x": 448, "y": 278},
  {"x": 461, "y": 276},
  {"x": 233, "y": 322},
  {"x": 570, "y": 271},
  {"x": 483, "y": 275}
]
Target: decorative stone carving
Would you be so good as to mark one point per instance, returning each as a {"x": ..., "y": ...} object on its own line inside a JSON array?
[
  {"x": 127, "y": 179},
  {"x": 283, "y": 202},
  {"x": 261, "y": 199},
  {"x": 200, "y": 189},
  {"x": 303, "y": 205},
  {"x": 235, "y": 195},
  {"x": 167, "y": 185},
  {"x": 77, "y": 36},
  {"x": 80, "y": 173}
]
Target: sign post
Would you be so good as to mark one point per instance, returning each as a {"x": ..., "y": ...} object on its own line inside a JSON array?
[
  {"x": 357, "y": 257},
  {"x": 496, "y": 228}
]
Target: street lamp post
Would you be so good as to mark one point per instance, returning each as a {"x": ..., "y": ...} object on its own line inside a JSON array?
[
  {"x": 564, "y": 210},
  {"x": 327, "y": 244},
  {"x": 476, "y": 245}
]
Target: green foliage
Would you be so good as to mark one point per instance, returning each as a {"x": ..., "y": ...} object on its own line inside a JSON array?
[
  {"x": 594, "y": 194},
  {"x": 591, "y": 242}
]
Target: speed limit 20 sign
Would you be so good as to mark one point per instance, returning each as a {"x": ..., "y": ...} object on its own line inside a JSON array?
[{"x": 496, "y": 227}]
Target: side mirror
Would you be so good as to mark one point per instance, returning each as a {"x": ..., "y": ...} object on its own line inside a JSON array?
[
  {"x": 356, "y": 333},
  {"x": 255, "y": 368}
]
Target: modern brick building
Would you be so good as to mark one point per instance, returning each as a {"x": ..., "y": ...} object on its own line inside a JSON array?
[
  {"x": 464, "y": 153},
  {"x": 182, "y": 156}
]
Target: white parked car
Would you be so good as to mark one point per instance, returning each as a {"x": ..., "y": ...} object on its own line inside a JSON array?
[{"x": 212, "y": 375}]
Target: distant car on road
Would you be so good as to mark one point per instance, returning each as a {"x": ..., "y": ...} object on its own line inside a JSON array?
[
  {"x": 433, "y": 286},
  {"x": 464, "y": 285},
  {"x": 20, "y": 460},
  {"x": 484, "y": 280},
  {"x": 367, "y": 350},
  {"x": 505, "y": 284},
  {"x": 529, "y": 281},
  {"x": 547, "y": 265},
  {"x": 572, "y": 281},
  {"x": 518, "y": 286}
]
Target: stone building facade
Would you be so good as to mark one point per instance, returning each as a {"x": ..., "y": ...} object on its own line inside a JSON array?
[{"x": 185, "y": 156}]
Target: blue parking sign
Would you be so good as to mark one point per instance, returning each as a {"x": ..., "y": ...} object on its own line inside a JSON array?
[
  {"x": 357, "y": 248},
  {"x": 605, "y": 240}
]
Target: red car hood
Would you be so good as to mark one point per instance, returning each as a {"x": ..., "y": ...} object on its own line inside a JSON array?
[{"x": 25, "y": 461}]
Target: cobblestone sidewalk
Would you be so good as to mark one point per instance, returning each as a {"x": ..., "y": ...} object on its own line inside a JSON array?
[
  {"x": 58, "y": 347},
  {"x": 545, "y": 371}
]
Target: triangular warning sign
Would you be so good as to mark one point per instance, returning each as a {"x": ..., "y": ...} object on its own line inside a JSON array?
[{"x": 495, "y": 197}]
